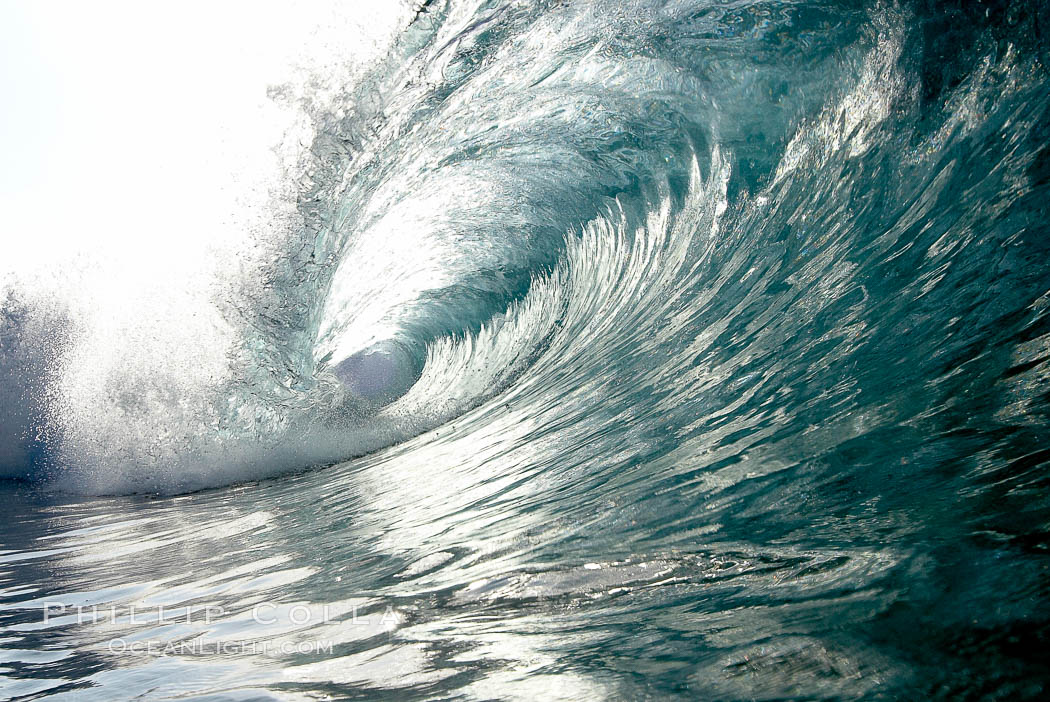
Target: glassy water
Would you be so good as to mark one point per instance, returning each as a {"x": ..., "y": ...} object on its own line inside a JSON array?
[{"x": 595, "y": 350}]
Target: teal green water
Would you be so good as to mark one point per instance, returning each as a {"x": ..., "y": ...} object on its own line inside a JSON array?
[{"x": 615, "y": 350}]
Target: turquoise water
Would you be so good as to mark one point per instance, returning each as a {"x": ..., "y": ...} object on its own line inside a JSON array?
[{"x": 607, "y": 350}]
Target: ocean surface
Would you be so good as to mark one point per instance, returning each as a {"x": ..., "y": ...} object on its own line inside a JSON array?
[{"x": 583, "y": 350}]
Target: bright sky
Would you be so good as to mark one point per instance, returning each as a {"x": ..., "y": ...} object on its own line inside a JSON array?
[{"x": 139, "y": 131}]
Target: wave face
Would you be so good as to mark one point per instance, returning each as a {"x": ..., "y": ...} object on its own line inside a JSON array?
[{"x": 642, "y": 349}]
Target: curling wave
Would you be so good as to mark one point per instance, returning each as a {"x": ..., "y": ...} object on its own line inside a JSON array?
[{"x": 626, "y": 210}]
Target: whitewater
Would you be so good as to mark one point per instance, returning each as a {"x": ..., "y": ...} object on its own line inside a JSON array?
[{"x": 526, "y": 349}]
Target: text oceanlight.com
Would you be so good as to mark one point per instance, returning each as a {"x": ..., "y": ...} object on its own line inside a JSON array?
[{"x": 198, "y": 647}]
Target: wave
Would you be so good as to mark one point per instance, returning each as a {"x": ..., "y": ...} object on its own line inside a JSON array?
[{"x": 671, "y": 230}]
